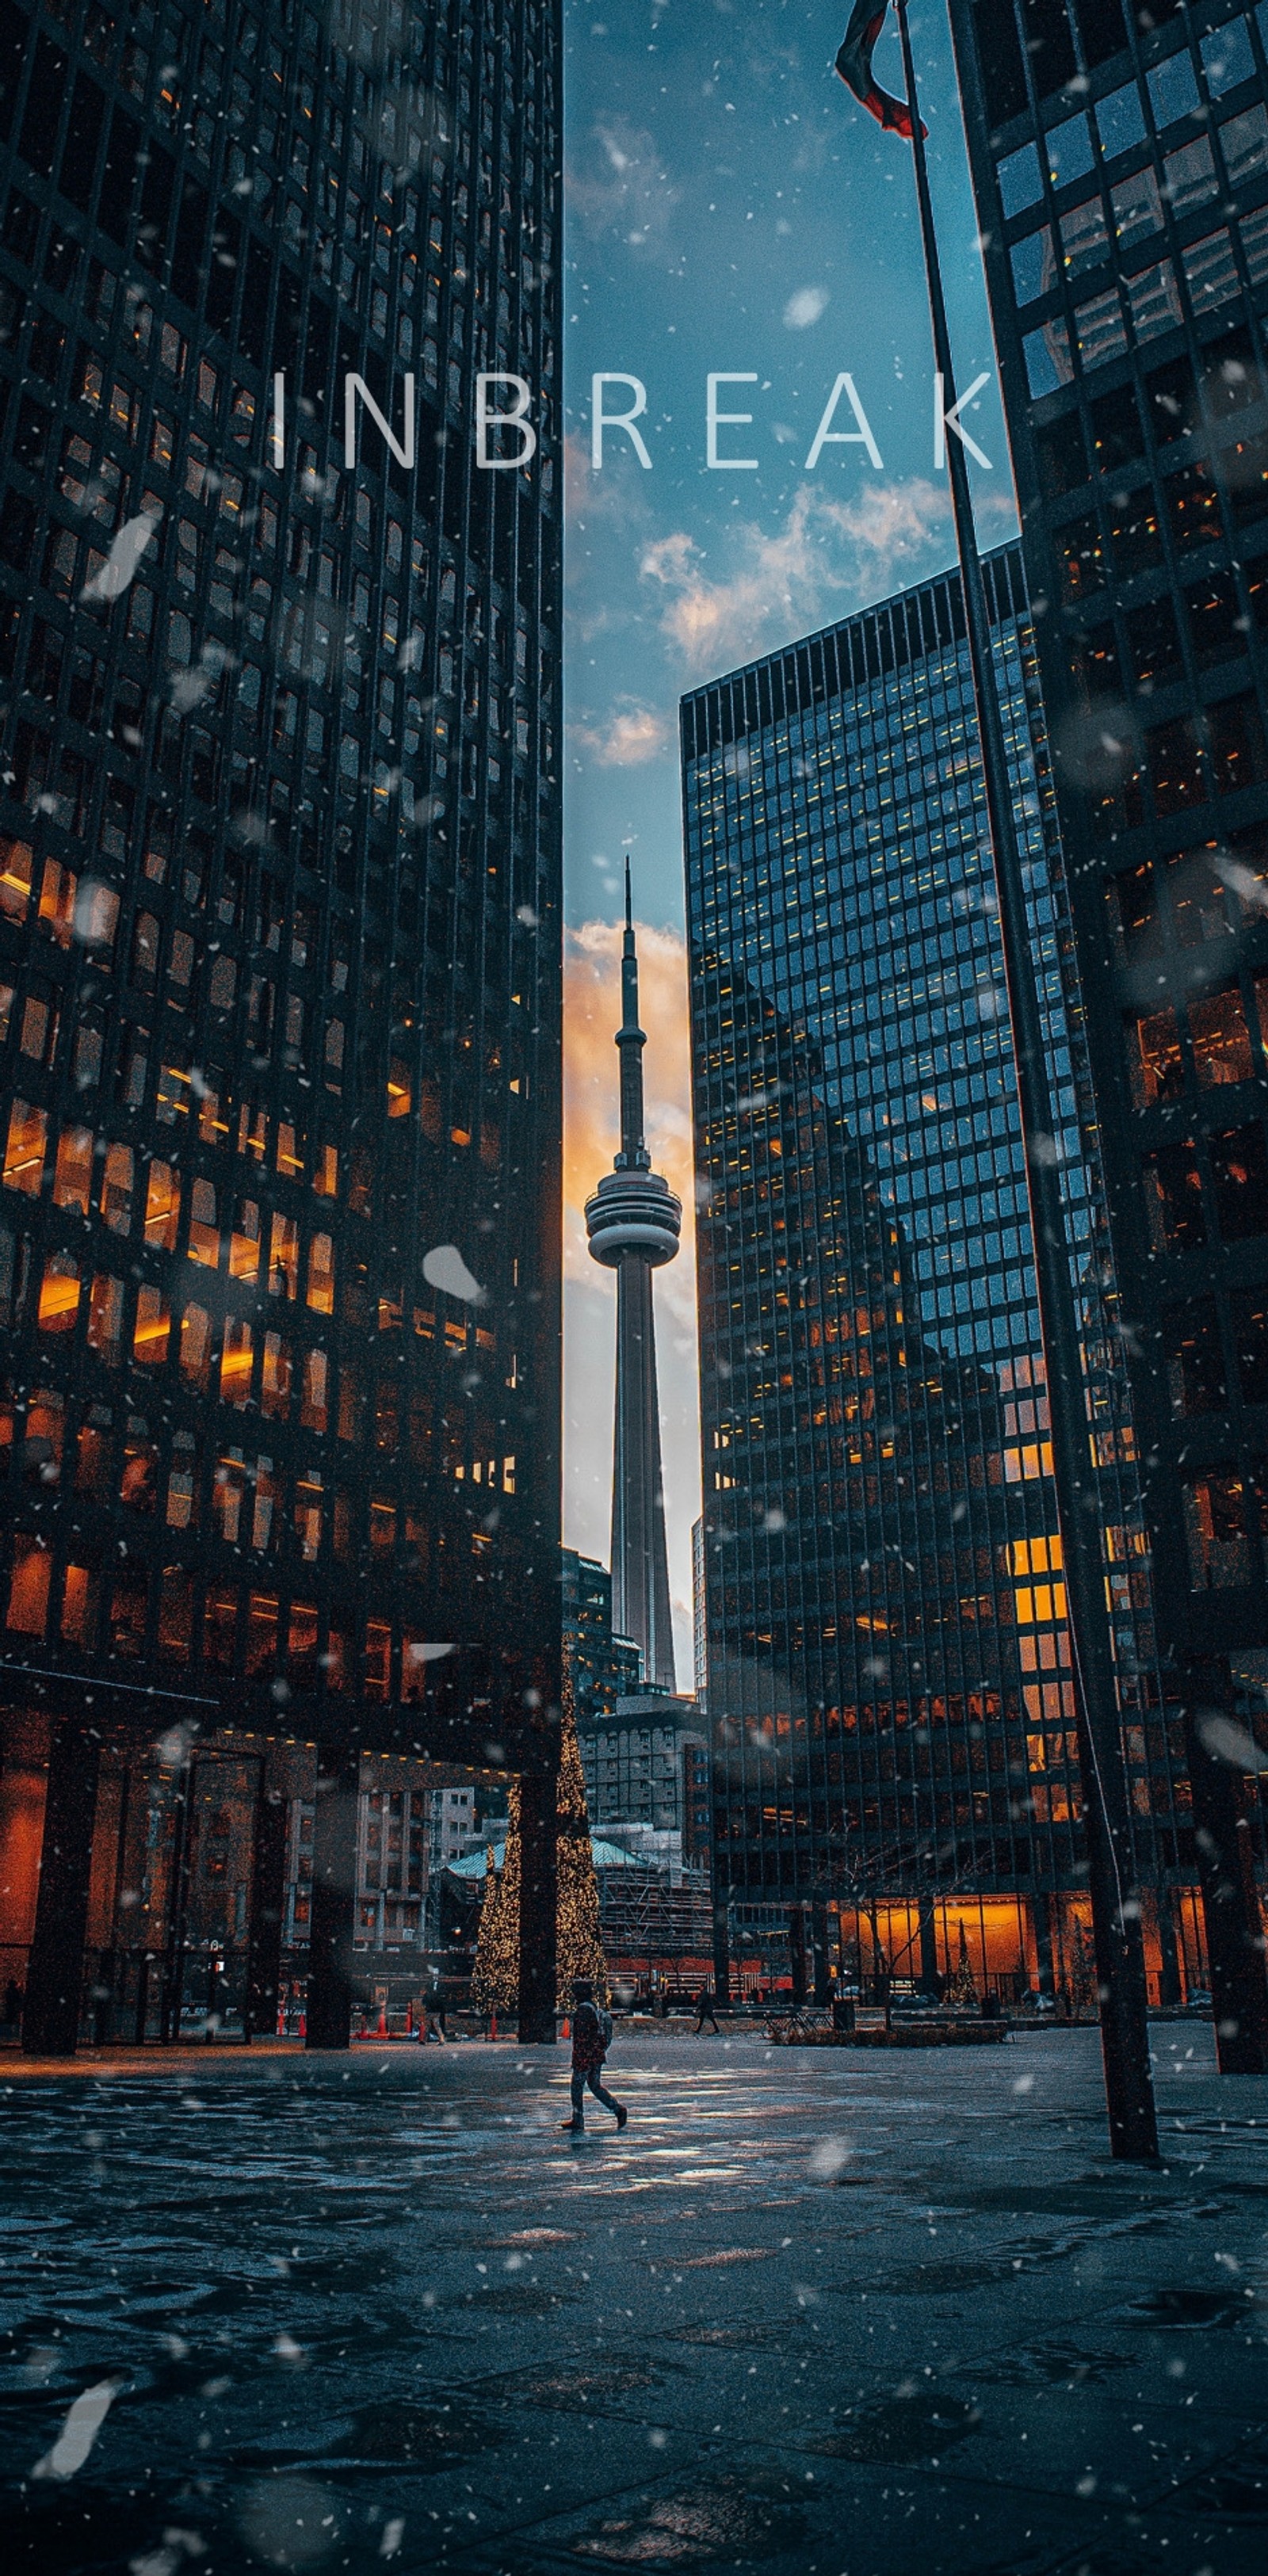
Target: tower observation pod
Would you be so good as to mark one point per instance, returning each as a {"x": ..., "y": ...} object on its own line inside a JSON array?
[{"x": 633, "y": 1223}]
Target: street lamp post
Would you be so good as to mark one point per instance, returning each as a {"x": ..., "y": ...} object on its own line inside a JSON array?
[{"x": 1115, "y": 1905}]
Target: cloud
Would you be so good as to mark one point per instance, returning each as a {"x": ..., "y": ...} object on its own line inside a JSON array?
[
  {"x": 891, "y": 522},
  {"x": 805, "y": 307},
  {"x": 625, "y": 188},
  {"x": 826, "y": 560},
  {"x": 669, "y": 558},
  {"x": 630, "y": 735}
]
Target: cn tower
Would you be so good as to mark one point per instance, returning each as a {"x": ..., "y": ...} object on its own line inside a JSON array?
[{"x": 633, "y": 1223}]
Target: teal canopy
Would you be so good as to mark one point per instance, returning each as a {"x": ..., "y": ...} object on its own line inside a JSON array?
[{"x": 604, "y": 1855}]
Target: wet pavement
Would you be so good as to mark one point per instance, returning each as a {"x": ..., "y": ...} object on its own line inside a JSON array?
[{"x": 837, "y": 2313}]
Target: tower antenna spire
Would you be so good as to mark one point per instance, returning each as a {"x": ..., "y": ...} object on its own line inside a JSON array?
[
  {"x": 630, "y": 1042},
  {"x": 633, "y": 1222}
]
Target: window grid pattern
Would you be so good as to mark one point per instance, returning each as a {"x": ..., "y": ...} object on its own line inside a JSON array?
[
  {"x": 1144, "y": 488},
  {"x": 887, "y": 1653},
  {"x": 279, "y": 842}
]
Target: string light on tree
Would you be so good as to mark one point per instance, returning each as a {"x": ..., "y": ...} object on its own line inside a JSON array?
[
  {"x": 579, "y": 1948},
  {"x": 495, "y": 1976}
]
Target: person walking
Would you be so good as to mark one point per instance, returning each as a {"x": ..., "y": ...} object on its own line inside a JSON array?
[
  {"x": 705, "y": 2012},
  {"x": 591, "y": 2039}
]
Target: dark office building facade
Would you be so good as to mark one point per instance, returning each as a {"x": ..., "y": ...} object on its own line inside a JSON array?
[
  {"x": 605, "y": 1667},
  {"x": 887, "y": 1649},
  {"x": 1120, "y": 162},
  {"x": 279, "y": 910}
]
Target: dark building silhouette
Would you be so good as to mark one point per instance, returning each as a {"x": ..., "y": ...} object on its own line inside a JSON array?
[
  {"x": 605, "y": 1666},
  {"x": 279, "y": 939},
  {"x": 1120, "y": 163},
  {"x": 885, "y": 1633},
  {"x": 633, "y": 1222}
]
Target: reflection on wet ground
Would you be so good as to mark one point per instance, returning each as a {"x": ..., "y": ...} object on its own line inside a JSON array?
[{"x": 830, "y": 2314}]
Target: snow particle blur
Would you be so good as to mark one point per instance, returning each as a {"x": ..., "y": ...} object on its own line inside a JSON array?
[
  {"x": 174, "y": 1746},
  {"x": 79, "y": 2432},
  {"x": 290, "y": 2522},
  {"x": 119, "y": 569},
  {"x": 829, "y": 2158},
  {"x": 393, "y": 2535},
  {"x": 806, "y": 306},
  {"x": 1227, "y": 1742},
  {"x": 444, "y": 1268},
  {"x": 177, "y": 2545}
]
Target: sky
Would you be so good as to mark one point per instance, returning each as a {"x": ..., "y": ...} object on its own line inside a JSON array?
[{"x": 730, "y": 210}]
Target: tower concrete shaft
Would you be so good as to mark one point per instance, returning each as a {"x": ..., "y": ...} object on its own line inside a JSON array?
[{"x": 633, "y": 1224}]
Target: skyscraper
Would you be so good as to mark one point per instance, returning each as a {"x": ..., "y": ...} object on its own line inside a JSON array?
[
  {"x": 887, "y": 1650},
  {"x": 1120, "y": 163},
  {"x": 279, "y": 918},
  {"x": 633, "y": 1223},
  {"x": 605, "y": 1666}
]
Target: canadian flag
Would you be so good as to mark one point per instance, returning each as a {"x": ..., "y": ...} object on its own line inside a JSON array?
[{"x": 854, "y": 63}]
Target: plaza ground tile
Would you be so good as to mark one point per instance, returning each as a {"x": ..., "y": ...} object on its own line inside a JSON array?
[{"x": 330, "y": 2297}]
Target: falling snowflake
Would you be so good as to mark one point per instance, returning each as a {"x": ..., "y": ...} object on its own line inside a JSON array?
[
  {"x": 444, "y": 1268},
  {"x": 120, "y": 567},
  {"x": 806, "y": 306},
  {"x": 80, "y": 2430}
]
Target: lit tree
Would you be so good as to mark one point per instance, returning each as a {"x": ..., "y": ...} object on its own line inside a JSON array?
[
  {"x": 495, "y": 1977},
  {"x": 962, "y": 1988},
  {"x": 578, "y": 1947}
]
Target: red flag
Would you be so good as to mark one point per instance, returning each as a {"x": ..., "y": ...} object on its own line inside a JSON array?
[{"x": 854, "y": 63}]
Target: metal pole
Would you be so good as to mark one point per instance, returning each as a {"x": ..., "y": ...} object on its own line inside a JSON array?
[{"x": 1115, "y": 1905}]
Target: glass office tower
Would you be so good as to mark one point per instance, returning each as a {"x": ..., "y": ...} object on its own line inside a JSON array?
[
  {"x": 888, "y": 1657},
  {"x": 1120, "y": 162},
  {"x": 279, "y": 891}
]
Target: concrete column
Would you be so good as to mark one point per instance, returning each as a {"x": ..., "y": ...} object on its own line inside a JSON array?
[
  {"x": 268, "y": 1906},
  {"x": 329, "y": 2006},
  {"x": 539, "y": 1823},
  {"x": 1041, "y": 1912},
  {"x": 1234, "y": 1936},
  {"x": 1169, "y": 1992},
  {"x": 721, "y": 1945},
  {"x": 797, "y": 1955},
  {"x": 821, "y": 1984},
  {"x": 55, "y": 1963},
  {"x": 928, "y": 1922},
  {"x": 173, "y": 1986}
]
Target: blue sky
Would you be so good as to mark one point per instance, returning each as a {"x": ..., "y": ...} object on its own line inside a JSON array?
[{"x": 730, "y": 208}]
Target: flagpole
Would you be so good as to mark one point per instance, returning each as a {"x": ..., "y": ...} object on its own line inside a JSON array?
[{"x": 1115, "y": 1908}]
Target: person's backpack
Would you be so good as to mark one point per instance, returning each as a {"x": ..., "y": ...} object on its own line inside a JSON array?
[{"x": 605, "y": 2026}]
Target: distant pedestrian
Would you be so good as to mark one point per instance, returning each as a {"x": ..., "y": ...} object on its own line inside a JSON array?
[
  {"x": 591, "y": 2039},
  {"x": 705, "y": 2012}
]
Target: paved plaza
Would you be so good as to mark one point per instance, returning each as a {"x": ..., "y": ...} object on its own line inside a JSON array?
[{"x": 829, "y": 2312}]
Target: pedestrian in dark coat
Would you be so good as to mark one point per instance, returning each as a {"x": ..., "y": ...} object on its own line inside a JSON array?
[{"x": 591, "y": 2031}]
